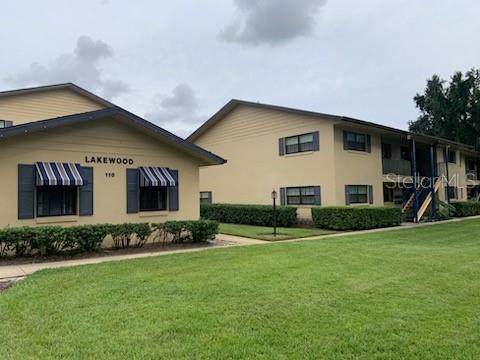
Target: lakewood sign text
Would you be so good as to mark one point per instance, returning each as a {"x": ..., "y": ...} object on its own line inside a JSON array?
[{"x": 108, "y": 160}]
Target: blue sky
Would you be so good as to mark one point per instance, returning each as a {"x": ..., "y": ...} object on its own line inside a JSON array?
[{"x": 176, "y": 63}]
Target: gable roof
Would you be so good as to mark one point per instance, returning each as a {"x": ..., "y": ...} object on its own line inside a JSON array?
[
  {"x": 68, "y": 86},
  {"x": 122, "y": 115},
  {"x": 232, "y": 104}
]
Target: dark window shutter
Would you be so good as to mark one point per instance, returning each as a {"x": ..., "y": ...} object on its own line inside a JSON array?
[
  {"x": 26, "y": 191},
  {"x": 347, "y": 199},
  {"x": 445, "y": 156},
  {"x": 86, "y": 193},
  {"x": 133, "y": 190},
  {"x": 281, "y": 146},
  {"x": 370, "y": 194},
  {"x": 283, "y": 196},
  {"x": 369, "y": 143},
  {"x": 173, "y": 193},
  {"x": 318, "y": 195},
  {"x": 345, "y": 146},
  {"x": 316, "y": 141}
]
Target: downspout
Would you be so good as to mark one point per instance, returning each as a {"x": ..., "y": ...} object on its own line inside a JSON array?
[
  {"x": 414, "y": 173},
  {"x": 433, "y": 149}
]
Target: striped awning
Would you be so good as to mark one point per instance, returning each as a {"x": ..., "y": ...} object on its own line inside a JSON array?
[
  {"x": 59, "y": 174},
  {"x": 156, "y": 176}
]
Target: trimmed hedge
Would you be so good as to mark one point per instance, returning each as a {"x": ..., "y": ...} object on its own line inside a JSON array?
[
  {"x": 260, "y": 215},
  {"x": 189, "y": 231},
  {"x": 466, "y": 208},
  {"x": 356, "y": 218},
  {"x": 48, "y": 240}
]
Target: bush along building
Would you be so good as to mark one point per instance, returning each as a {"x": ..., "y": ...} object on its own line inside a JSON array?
[
  {"x": 313, "y": 159},
  {"x": 69, "y": 157}
]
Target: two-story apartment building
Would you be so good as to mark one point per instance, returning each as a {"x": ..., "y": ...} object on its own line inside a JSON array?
[
  {"x": 315, "y": 159},
  {"x": 70, "y": 157}
]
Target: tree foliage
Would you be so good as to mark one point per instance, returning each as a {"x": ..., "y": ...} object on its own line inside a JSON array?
[{"x": 452, "y": 110}]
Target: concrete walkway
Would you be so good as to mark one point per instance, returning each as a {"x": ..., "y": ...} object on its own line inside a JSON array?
[{"x": 15, "y": 272}]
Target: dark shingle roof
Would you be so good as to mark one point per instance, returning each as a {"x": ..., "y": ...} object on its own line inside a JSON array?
[
  {"x": 121, "y": 114},
  {"x": 232, "y": 104}
]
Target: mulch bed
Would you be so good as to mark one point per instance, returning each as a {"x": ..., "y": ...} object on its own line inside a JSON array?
[{"x": 147, "y": 248}]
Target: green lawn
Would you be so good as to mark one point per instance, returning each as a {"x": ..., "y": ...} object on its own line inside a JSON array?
[
  {"x": 412, "y": 293},
  {"x": 266, "y": 233}
]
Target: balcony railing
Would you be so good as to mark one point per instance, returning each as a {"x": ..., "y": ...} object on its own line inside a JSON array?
[{"x": 397, "y": 167}]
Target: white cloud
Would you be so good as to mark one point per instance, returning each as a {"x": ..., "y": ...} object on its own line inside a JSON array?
[
  {"x": 178, "y": 111},
  {"x": 272, "y": 22},
  {"x": 81, "y": 67}
]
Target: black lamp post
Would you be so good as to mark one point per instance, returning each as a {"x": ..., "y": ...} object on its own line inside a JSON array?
[{"x": 274, "y": 198}]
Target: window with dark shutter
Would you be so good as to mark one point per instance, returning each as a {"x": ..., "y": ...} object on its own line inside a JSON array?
[
  {"x": 357, "y": 194},
  {"x": 302, "y": 143},
  {"x": 355, "y": 141},
  {"x": 304, "y": 195}
]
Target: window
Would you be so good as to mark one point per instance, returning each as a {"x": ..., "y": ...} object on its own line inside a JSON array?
[
  {"x": 56, "y": 200},
  {"x": 299, "y": 143},
  {"x": 386, "y": 151},
  {"x": 153, "y": 198},
  {"x": 405, "y": 153},
  {"x": 205, "y": 197},
  {"x": 357, "y": 194},
  {"x": 2, "y": 124},
  {"x": 452, "y": 156},
  {"x": 354, "y": 141},
  {"x": 387, "y": 194},
  {"x": 452, "y": 192},
  {"x": 301, "y": 195}
]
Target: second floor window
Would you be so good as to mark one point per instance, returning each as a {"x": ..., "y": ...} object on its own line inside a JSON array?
[
  {"x": 301, "y": 195},
  {"x": 299, "y": 143},
  {"x": 2, "y": 124},
  {"x": 386, "y": 151},
  {"x": 452, "y": 156},
  {"x": 355, "y": 141}
]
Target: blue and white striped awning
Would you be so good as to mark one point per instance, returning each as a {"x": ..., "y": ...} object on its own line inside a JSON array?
[
  {"x": 156, "y": 176},
  {"x": 59, "y": 174}
]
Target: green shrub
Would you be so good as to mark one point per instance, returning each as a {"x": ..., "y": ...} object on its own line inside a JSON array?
[
  {"x": 189, "y": 231},
  {"x": 175, "y": 229},
  {"x": 260, "y": 215},
  {"x": 20, "y": 239},
  {"x": 202, "y": 230},
  {"x": 356, "y": 218},
  {"x": 465, "y": 208},
  {"x": 142, "y": 232},
  {"x": 50, "y": 239},
  {"x": 88, "y": 238},
  {"x": 124, "y": 234}
]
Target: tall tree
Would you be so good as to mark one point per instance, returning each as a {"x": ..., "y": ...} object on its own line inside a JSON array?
[{"x": 452, "y": 110}]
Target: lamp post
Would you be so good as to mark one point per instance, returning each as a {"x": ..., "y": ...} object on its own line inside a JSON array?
[{"x": 274, "y": 198}]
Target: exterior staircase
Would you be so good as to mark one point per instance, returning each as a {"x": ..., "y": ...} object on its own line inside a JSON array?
[{"x": 424, "y": 194}]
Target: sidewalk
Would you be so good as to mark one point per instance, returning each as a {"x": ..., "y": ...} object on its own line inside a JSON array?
[{"x": 14, "y": 272}]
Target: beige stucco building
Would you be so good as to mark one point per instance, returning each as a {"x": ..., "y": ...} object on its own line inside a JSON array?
[
  {"x": 70, "y": 157},
  {"x": 315, "y": 159}
]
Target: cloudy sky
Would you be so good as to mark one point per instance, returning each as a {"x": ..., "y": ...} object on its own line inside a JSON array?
[{"x": 177, "y": 62}]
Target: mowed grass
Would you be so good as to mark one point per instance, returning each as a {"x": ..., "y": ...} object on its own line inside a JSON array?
[
  {"x": 413, "y": 293},
  {"x": 266, "y": 233}
]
